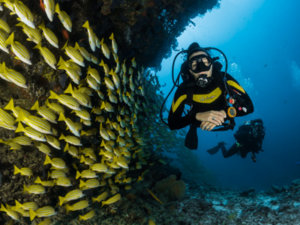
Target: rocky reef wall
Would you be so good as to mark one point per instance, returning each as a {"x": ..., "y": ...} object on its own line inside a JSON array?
[{"x": 78, "y": 108}]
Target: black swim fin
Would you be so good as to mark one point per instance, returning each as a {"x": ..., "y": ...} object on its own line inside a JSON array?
[
  {"x": 213, "y": 150},
  {"x": 191, "y": 138}
]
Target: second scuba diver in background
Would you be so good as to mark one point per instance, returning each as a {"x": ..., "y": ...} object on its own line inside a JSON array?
[
  {"x": 249, "y": 138},
  {"x": 205, "y": 89}
]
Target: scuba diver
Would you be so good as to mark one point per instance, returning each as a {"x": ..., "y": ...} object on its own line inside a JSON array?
[
  {"x": 249, "y": 138},
  {"x": 207, "y": 98}
]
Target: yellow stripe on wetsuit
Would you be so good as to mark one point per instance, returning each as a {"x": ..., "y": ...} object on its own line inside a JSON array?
[
  {"x": 236, "y": 86},
  {"x": 208, "y": 98},
  {"x": 176, "y": 104}
]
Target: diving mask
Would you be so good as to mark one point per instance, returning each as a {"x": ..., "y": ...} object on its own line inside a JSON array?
[{"x": 200, "y": 63}]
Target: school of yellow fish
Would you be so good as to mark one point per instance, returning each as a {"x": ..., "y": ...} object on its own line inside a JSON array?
[{"x": 119, "y": 93}]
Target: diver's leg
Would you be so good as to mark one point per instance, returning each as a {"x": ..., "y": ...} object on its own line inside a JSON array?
[
  {"x": 215, "y": 149},
  {"x": 233, "y": 150}
]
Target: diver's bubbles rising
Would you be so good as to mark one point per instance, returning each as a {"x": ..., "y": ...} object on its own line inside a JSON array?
[{"x": 246, "y": 82}]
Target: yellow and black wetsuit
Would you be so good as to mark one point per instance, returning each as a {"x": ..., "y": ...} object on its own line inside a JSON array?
[{"x": 211, "y": 97}]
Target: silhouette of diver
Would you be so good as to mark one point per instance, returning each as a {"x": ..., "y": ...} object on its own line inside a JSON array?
[{"x": 249, "y": 138}]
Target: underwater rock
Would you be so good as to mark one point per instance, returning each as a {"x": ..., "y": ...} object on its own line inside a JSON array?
[{"x": 170, "y": 188}]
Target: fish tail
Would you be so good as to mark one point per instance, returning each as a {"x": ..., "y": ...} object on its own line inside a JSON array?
[
  {"x": 86, "y": 25},
  {"x": 61, "y": 200},
  {"x": 18, "y": 204},
  {"x": 62, "y": 137},
  {"x": 111, "y": 37},
  {"x": 35, "y": 106},
  {"x": 61, "y": 117},
  {"x": 69, "y": 89},
  {"x": 10, "y": 39},
  {"x": 16, "y": 170},
  {"x": 32, "y": 214},
  {"x": 77, "y": 174},
  {"x": 57, "y": 9},
  {"x": 38, "y": 180},
  {"x": 53, "y": 95},
  {"x": 47, "y": 160},
  {"x": 20, "y": 128},
  {"x": 81, "y": 184},
  {"x": 10, "y": 105}
]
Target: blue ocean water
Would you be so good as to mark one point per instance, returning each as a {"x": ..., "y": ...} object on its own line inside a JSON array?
[{"x": 261, "y": 40}]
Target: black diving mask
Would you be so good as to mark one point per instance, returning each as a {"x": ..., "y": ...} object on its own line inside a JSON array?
[{"x": 200, "y": 63}]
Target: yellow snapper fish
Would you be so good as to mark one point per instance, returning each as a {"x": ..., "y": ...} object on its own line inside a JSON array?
[
  {"x": 3, "y": 37},
  {"x": 13, "y": 76},
  {"x": 18, "y": 49},
  {"x": 45, "y": 211},
  {"x": 112, "y": 200},
  {"x": 66, "y": 100},
  {"x": 77, "y": 206},
  {"x": 24, "y": 13},
  {"x": 87, "y": 216},
  {"x": 4, "y": 26},
  {"x": 57, "y": 163},
  {"x": 11, "y": 213},
  {"x": 83, "y": 114},
  {"x": 91, "y": 35},
  {"x": 32, "y": 34},
  {"x": 72, "y": 72},
  {"x": 115, "y": 78},
  {"x": 22, "y": 140},
  {"x": 34, "y": 189},
  {"x": 53, "y": 141},
  {"x": 24, "y": 171},
  {"x": 46, "y": 221},
  {"x": 43, "y": 148},
  {"x": 36, "y": 123},
  {"x": 89, "y": 184},
  {"x": 74, "y": 54},
  {"x": 64, "y": 18},
  {"x": 104, "y": 66},
  {"x": 49, "y": 8},
  {"x": 30, "y": 132},
  {"x": 49, "y": 35},
  {"x": 133, "y": 62},
  {"x": 100, "y": 197},
  {"x": 45, "y": 112},
  {"x": 99, "y": 167},
  {"x": 70, "y": 139},
  {"x": 109, "y": 84},
  {"x": 105, "y": 50},
  {"x": 57, "y": 108},
  {"x": 54, "y": 174},
  {"x": 83, "y": 52},
  {"x": 103, "y": 133},
  {"x": 73, "y": 127},
  {"x": 86, "y": 174},
  {"x": 72, "y": 150},
  {"x": 46, "y": 183},
  {"x": 71, "y": 195},
  {"x": 63, "y": 181},
  {"x": 26, "y": 205},
  {"x": 7, "y": 119},
  {"x": 94, "y": 73},
  {"x": 82, "y": 98},
  {"x": 92, "y": 83},
  {"x": 48, "y": 56},
  {"x": 113, "y": 43}
]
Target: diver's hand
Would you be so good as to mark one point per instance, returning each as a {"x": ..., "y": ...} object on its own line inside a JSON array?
[
  {"x": 207, "y": 126},
  {"x": 215, "y": 117}
]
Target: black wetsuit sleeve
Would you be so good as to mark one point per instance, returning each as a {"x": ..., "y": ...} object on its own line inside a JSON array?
[
  {"x": 243, "y": 103},
  {"x": 176, "y": 119}
]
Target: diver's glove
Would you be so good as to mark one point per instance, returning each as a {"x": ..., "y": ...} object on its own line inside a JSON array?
[{"x": 191, "y": 138}]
